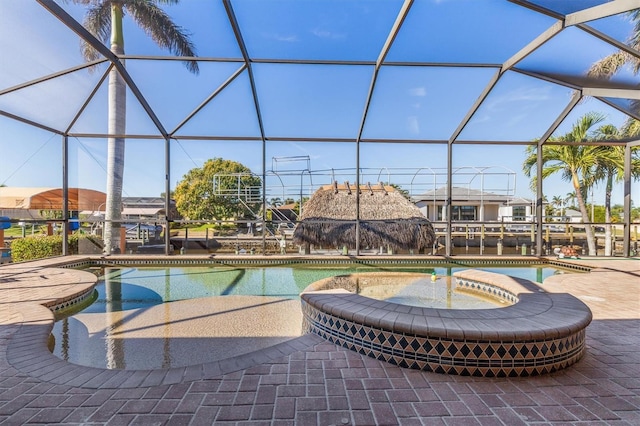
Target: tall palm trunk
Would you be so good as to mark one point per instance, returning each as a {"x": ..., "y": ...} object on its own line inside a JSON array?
[
  {"x": 608, "y": 249},
  {"x": 115, "y": 148},
  {"x": 588, "y": 229}
]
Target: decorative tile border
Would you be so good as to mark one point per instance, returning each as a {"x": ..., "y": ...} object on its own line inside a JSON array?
[
  {"x": 569, "y": 265},
  {"x": 488, "y": 290},
  {"x": 64, "y": 304}
]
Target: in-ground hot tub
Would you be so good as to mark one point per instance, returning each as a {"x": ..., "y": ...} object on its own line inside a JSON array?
[{"x": 536, "y": 333}]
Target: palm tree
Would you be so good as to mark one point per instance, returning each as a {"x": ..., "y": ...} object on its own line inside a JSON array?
[
  {"x": 570, "y": 199},
  {"x": 104, "y": 20},
  {"x": 574, "y": 161},
  {"x": 558, "y": 202},
  {"x": 549, "y": 210},
  {"x": 611, "y": 168},
  {"x": 606, "y": 68}
]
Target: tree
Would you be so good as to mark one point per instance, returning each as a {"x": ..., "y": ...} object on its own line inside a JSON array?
[
  {"x": 574, "y": 161},
  {"x": 104, "y": 20},
  {"x": 220, "y": 189},
  {"x": 610, "y": 169},
  {"x": 403, "y": 192},
  {"x": 275, "y": 202},
  {"x": 296, "y": 205},
  {"x": 548, "y": 209},
  {"x": 570, "y": 199},
  {"x": 558, "y": 202},
  {"x": 606, "y": 68}
]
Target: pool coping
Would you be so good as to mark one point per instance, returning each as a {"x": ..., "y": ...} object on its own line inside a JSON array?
[{"x": 271, "y": 260}]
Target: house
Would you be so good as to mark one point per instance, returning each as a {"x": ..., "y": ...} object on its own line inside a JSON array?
[
  {"x": 471, "y": 205},
  {"x": 151, "y": 208},
  {"x": 137, "y": 208},
  {"x": 142, "y": 214},
  {"x": 572, "y": 216}
]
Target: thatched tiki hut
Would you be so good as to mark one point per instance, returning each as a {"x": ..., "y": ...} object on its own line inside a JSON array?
[{"x": 387, "y": 219}]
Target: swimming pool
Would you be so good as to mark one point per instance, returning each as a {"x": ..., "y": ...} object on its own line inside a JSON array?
[
  {"x": 150, "y": 317},
  {"x": 147, "y": 286}
]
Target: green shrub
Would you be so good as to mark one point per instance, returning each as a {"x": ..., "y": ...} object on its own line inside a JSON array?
[{"x": 41, "y": 246}]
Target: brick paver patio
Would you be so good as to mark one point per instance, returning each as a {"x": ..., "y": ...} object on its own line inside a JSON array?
[{"x": 307, "y": 381}]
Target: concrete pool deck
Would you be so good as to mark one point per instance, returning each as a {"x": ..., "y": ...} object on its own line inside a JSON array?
[{"x": 308, "y": 381}]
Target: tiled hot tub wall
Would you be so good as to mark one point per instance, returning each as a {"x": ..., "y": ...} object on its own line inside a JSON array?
[
  {"x": 442, "y": 355},
  {"x": 539, "y": 334}
]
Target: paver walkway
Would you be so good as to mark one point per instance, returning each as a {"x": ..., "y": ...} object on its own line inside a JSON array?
[{"x": 307, "y": 381}]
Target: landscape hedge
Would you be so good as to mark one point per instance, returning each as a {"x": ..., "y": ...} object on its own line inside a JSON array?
[{"x": 42, "y": 246}]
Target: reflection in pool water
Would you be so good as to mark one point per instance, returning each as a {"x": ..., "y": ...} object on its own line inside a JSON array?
[
  {"x": 429, "y": 293},
  {"x": 147, "y": 318}
]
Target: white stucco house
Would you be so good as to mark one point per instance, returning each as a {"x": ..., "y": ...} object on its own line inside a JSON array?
[{"x": 472, "y": 205}]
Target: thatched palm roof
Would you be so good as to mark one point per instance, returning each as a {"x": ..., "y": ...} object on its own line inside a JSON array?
[{"x": 387, "y": 218}]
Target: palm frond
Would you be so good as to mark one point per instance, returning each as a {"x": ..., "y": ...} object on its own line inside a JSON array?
[
  {"x": 631, "y": 127},
  {"x": 82, "y": 2},
  {"x": 98, "y": 22},
  {"x": 634, "y": 39},
  {"x": 530, "y": 161},
  {"x": 158, "y": 25},
  {"x": 609, "y": 65},
  {"x": 606, "y": 132},
  {"x": 580, "y": 130}
]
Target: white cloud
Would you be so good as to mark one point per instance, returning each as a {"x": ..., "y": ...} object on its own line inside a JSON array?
[
  {"x": 524, "y": 94},
  {"x": 480, "y": 118},
  {"x": 413, "y": 125},
  {"x": 418, "y": 91},
  {"x": 322, "y": 33},
  {"x": 516, "y": 119},
  {"x": 288, "y": 38}
]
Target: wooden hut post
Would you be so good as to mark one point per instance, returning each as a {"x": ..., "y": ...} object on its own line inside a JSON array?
[{"x": 123, "y": 240}]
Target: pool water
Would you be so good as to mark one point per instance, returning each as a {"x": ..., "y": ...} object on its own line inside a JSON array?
[
  {"x": 146, "y": 318},
  {"x": 131, "y": 288},
  {"x": 427, "y": 293}
]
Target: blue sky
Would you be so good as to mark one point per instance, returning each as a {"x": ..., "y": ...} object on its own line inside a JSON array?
[{"x": 302, "y": 100}]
